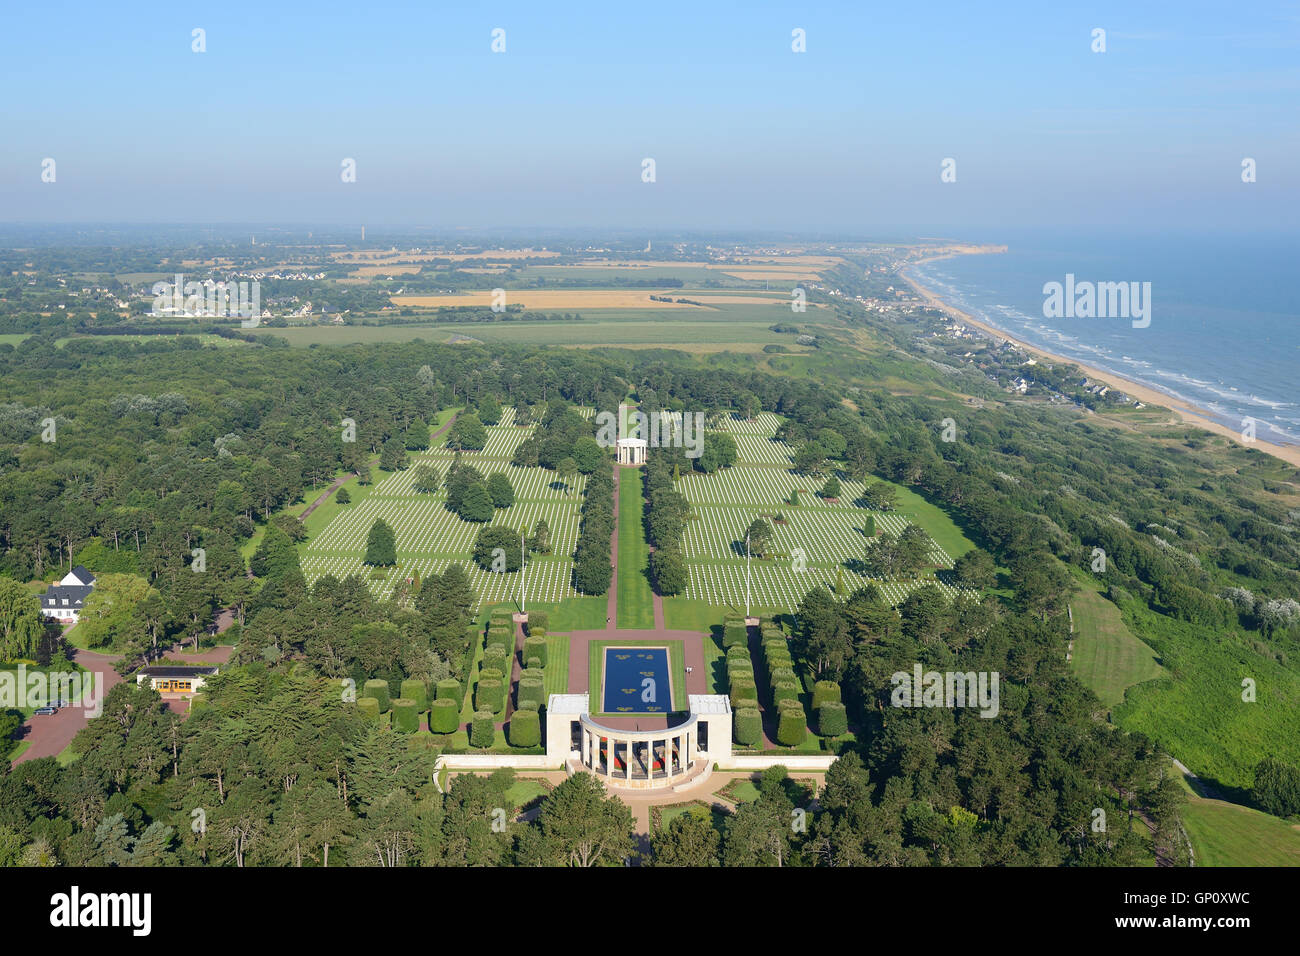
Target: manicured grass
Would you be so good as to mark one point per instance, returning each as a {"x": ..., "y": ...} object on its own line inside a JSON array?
[
  {"x": 934, "y": 520},
  {"x": 576, "y": 614},
  {"x": 522, "y": 792},
  {"x": 635, "y": 600},
  {"x": 688, "y": 614},
  {"x": 556, "y": 675},
  {"x": 1107, "y": 657},
  {"x": 1228, "y": 834},
  {"x": 715, "y": 668},
  {"x": 595, "y": 670}
]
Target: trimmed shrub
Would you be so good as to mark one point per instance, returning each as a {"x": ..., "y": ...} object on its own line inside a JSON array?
[
  {"x": 737, "y": 651},
  {"x": 531, "y": 690},
  {"x": 533, "y": 663},
  {"x": 489, "y": 695},
  {"x": 792, "y": 727},
  {"x": 369, "y": 707},
  {"x": 491, "y": 673},
  {"x": 743, "y": 690},
  {"x": 416, "y": 691},
  {"x": 525, "y": 729},
  {"x": 482, "y": 731},
  {"x": 735, "y": 634},
  {"x": 749, "y": 726},
  {"x": 378, "y": 689},
  {"x": 535, "y": 647},
  {"x": 832, "y": 719},
  {"x": 739, "y": 669},
  {"x": 449, "y": 689},
  {"x": 406, "y": 719},
  {"x": 528, "y": 705},
  {"x": 538, "y": 619},
  {"x": 444, "y": 716},
  {"x": 823, "y": 691},
  {"x": 495, "y": 658},
  {"x": 785, "y": 691},
  {"x": 532, "y": 673},
  {"x": 781, "y": 675}
]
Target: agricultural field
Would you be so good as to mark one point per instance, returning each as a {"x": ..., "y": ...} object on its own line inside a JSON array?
[
  {"x": 431, "y": 538},
  {"x": 816, "y": 542}
]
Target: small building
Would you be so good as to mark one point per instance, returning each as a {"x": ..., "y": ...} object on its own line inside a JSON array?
[
  {"x": 630, "y": 451},
  {"x": 64, "y": 601},
  {"x": 176, "y": 678}
]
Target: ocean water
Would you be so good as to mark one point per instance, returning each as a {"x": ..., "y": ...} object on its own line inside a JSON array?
[{"x": 1224, "y": 333}]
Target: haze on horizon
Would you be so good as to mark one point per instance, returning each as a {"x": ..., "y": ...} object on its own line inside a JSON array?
[{"x": 746, "y": 134}]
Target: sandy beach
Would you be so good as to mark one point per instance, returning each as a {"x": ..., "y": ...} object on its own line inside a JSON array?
[{"x": 1143, "y": 393}]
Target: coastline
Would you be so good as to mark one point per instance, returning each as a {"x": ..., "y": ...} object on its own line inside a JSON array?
[{"x": 1183, "y": 411}]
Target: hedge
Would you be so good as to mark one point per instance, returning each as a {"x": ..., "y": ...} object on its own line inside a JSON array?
[
  {"x": 535, "y": 647},
  {"x": 785, "y": 691},
  {"x": 406, "y": 719},
  {"x": 781, "y": 675},
  {"x": 528, "y": 705},
  {"x": 735, "y": 634},
  {"x": 531, "y": 690},
  {"x": 742, "y": 691},
  {"x": 737, "y": 651},
  {"x": 449, "y": 689},
  {"x": 482, "y": 731},
  {"x": 444, "y": 716},
  {"x": 490, "y": 673},
  {"x": 369, "y": 707},
  {"x": 832, "y": 719},
  {"x": 823, "y": 691},
  {"x": 749, "y": 726},
  {"x": 792, "y": 727},
  {"x": 540, "y": 620},
  {"x": 533, "y": 663},
  {"x": 525, "y": 729},
  {"x": 495, "y": 656},
  {"x": 532, "y": 673},
  {"x": 489, "y": 695},
  {"x": 378, "y": 689},
  {"x": 415, "y": 690}
]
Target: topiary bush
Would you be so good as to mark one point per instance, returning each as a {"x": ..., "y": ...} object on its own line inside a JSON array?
[
  {"x": 535, "y": 647},
  {"x": 741, "y": 691},
  {"x": 369, "y": 707},
  {"x": 482, "y": 732},
  {"x": 444, "y": 715},
  {"x": 737, "y": 651},
  {"x": 529, "y": 705},
  {"x": 533, "y": 663},
  {"x": 491, "y": 673},
  {"x": 532, "y": 673},
  {"x": 489, "y": 695},
  {"x": 781, "y": 675},
  {"x": 525, "y": 729},
  {"x": 449, "y": 689},
  {"x": 415, "y": 690},
  {"x": 531, "y": 691},
  {"x": 785, "y": 691},
  {"x": 823, "y": 691},
  {"x": 406, "y": 719},
  {"x": 378, "y": 689},
  {"x": 832, "y": 719},
  {"x": 735, "y": 634},
  {"x": 791, "y": 727},
  {"x": 540, "y": 620},
  {"x": 495, "y": 658},
  {"x": 749, "y": 726}
]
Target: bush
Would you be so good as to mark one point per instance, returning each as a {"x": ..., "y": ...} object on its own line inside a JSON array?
[
  {"x": 533, "y": 662},
  {"x": 741, "y": 691},
  {"x": 444, "y": 715},
  {"x": 495, "y": 657},
  {"x": 538, "y": 619},
  {"x": 529, "y": 705},
  {"x": 781, "y": 675},
  {"x": 491, "y": 673},
  {"x": 738, "y": 651},
  {"x": 749, "y": 726},
  {"x": 525, "y": 729},
  {"x": 531, "y": 691},
  {"x": 823, "y": 691},
  {"x": 449, "y": 689},
  {"x": 482, "y": 732},
  {"x": 792, "y": 727},
  {"x": 535, "y": 647},
  {"x": 532, "y": 673},
  {"x": 378, "y": 689},
  {"x": 739, "y": 669},
  {"x": 369, "y": 707},
  {"x": 414, "y": 690},
  {"x": 832, "y": 719},
  {"x": 786, "y": 690},
  {"x": 406, "y": 719},
  {"x": 489, "y": 695},
  {"x": 735, "y": 634}
]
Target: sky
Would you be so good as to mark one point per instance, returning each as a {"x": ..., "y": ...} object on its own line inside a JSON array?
[{"x": 746, "y": 134}]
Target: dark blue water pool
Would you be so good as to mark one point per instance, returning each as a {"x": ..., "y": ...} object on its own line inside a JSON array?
[{"x": 636, "y": 681}]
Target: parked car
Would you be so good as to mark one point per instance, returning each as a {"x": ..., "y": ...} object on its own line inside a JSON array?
[{"x": 45, "y": 711}]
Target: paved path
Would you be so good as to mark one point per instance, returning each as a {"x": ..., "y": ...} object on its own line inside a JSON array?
[{"x": 50, "y": 735}]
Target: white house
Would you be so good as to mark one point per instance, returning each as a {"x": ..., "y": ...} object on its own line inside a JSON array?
[{"x": 63, "y": 601}]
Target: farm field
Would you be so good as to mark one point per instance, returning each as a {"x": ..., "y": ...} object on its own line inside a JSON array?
[
  {"x": 1107, "y": 657},
  {"x": 541, "y": 299},
  {"x": 431, "y": 538}
]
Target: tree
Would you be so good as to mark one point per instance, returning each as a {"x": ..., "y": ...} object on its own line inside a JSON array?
[
  {"x": 588, "y": 455},
  {"x": 832, "y": 488},
  {"x": 810, "y": 457},
  {"x": 541, "y": 539},
  {"x": 975, "y": 569},
  {"x": 500, "y": 490},
  {"x": 427, "y": 478},
  {"x": 342, "y": 497},
  {"x": 759, "y": 534},
  {"x": 381, "y": 544},
  {"x": 882, "y": 558},
  {"x": 913, "y": 549},
  {"x": 476, "y": 504},
  {"x": 1277, "y": 788},
  {"x": 567, "y": 468},
  {"x": 489, "y": 410},
  {"x": 495, "y": 542},
  {"x": 392, "y": 457},
  {"x": 417, "y": 435},
  {"x": 584, "y": 827},
  {"x": 880, "y": 496},
  {"x": 690, "y": 840},
  {"x": 468, "y": 433},
  {"x": 21, "y": 625},
  {"x": 668, "y": 568}
]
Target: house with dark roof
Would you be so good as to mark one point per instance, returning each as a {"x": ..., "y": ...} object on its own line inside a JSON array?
[{"x": 64, "y": 601}]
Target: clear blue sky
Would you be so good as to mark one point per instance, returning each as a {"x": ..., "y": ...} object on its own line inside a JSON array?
[{"x": 746, "y": 134}]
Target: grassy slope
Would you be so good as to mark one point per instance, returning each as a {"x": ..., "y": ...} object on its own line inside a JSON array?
[
  {"x": 1107, "y": 657},
  {"x": 1228, "y": 834},
  {"x": 635, "y": 600}
]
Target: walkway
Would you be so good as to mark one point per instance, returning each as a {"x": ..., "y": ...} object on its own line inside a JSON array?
[{"x": 50, "y": 735}]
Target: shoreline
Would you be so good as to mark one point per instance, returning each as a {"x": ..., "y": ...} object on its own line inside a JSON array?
[{"x": 1182, "y": 410}]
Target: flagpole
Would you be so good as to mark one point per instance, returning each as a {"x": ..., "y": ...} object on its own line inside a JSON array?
[
  {"x": 747, "y": 575},
  {"x": 523, "y": 599}
]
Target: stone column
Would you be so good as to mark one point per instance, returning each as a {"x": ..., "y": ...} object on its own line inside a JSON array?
[
  {"x": 629, "y": 761},
  {"x": 609, "y": 758}
]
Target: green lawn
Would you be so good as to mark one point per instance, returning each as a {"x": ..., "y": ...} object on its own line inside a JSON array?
[
  {"x": 635, "y": 600},
  {"x": 595, "y": 670},
  {"x": 1107, "y": 657},
  {"x": 556, "y": 676},
  {"x": 1228, "y": 834},
  {"x": 576, "y": 614}
]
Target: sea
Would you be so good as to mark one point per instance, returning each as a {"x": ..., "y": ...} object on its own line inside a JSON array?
[{"x": 1224, "y": 331}]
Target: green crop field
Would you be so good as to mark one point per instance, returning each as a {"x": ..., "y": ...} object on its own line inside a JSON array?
[{"x": 1107, "y": 657}]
